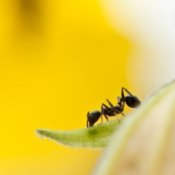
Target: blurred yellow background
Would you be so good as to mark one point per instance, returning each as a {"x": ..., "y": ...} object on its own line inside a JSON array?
[{"x": 59, "y": 59}]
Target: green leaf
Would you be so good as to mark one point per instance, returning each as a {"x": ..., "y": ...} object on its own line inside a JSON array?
[{"x": 94, "y": 137}]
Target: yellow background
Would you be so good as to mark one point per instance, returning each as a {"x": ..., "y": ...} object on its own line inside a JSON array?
[{"x": 58, "y": 60}]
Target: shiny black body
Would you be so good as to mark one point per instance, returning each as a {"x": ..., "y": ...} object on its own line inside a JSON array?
[
  {"x": 111, "y": 110},
  {"x": 92, "y": 118}
]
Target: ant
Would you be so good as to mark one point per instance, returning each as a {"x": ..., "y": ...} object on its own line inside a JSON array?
[{"x": 111, "y": 110}]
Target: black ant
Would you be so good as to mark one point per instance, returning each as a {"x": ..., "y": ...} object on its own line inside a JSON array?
[{"x": 111, "y": 110}]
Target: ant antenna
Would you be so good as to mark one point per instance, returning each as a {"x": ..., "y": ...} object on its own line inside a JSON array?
[{"x": 126, "y": 90}]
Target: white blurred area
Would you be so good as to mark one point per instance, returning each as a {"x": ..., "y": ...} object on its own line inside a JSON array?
[{"x": 150, "y": 27}]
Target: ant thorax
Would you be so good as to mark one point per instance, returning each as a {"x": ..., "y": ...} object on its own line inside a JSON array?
[{"x": 118, "y": 109}]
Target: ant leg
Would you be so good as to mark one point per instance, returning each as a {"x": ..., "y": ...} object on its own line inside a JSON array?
[
  {"x": 101, "y": 119},
  {"x": 102, "y": 110},
  {"x": 104, "y": 106},
  {"x": 106, "y": 117},
  {"x": 111, "y": 105},
  {"x": 87, "y": 122},
  {"x": 119, "y": 101}
]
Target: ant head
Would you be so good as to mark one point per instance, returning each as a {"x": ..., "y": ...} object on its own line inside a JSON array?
[{"x": 132, "y": 101}]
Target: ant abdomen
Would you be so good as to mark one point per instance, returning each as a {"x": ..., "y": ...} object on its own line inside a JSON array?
[
  {"x": 132, "y": 101},
  {"x": 92, "y": 118}
]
